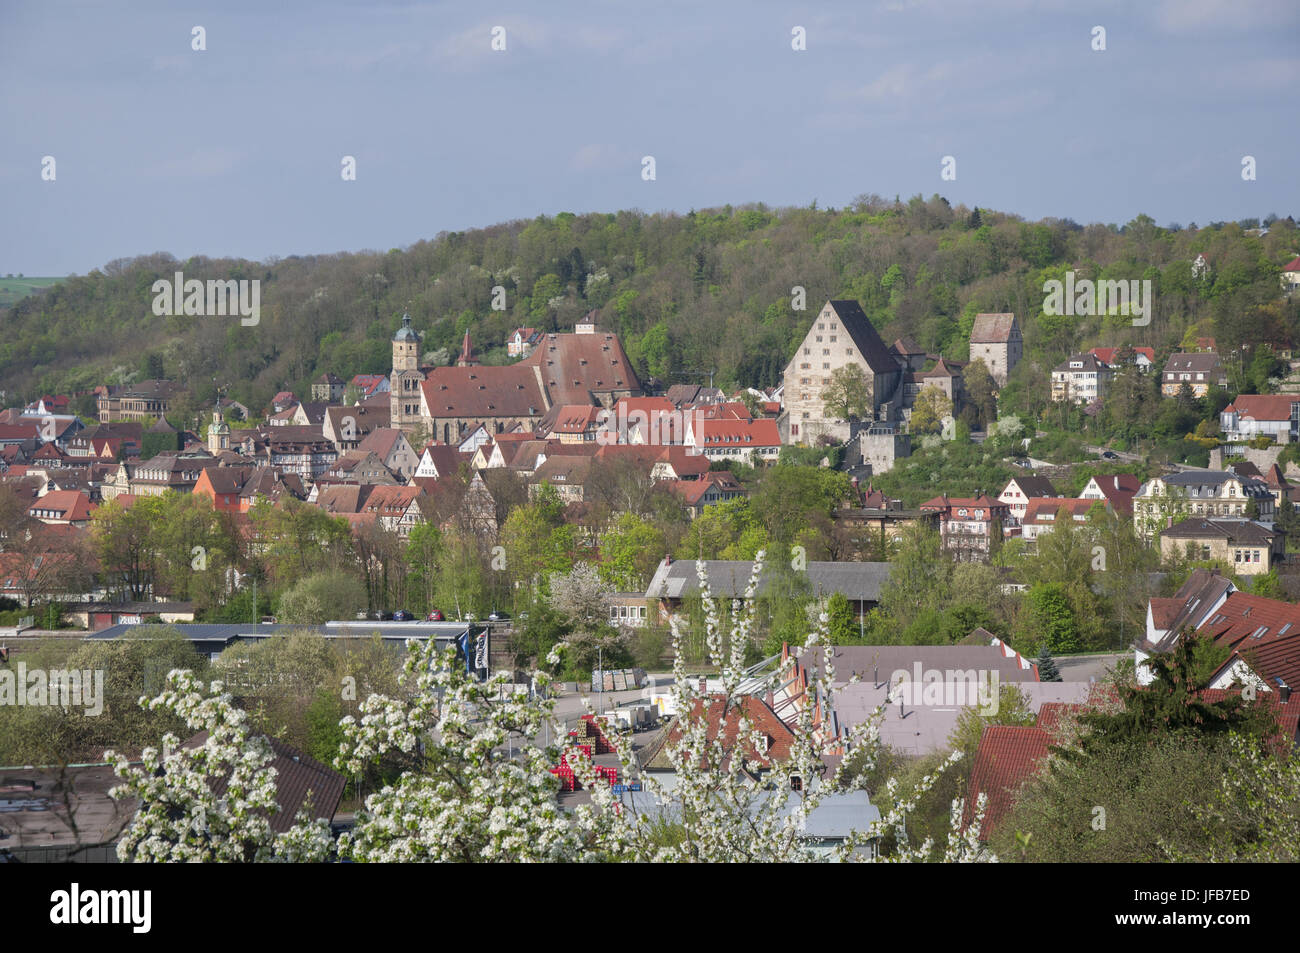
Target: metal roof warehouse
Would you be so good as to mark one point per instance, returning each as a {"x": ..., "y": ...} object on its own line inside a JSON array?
[{"x": 214, "y": 638}]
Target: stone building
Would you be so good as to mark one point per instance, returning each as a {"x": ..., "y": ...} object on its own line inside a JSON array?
[
  {"x": 995, "y": 339},
  {"x": 841, "y": 335}
]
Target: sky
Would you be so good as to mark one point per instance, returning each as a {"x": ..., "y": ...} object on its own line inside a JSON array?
[{"x": 237, "y": 149}]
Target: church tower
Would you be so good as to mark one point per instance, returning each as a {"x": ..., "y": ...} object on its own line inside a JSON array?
[
  {"x": 218, "y": 433},
  {"x": 467, "y": 358},
  {"x": 405, "y": 380}
]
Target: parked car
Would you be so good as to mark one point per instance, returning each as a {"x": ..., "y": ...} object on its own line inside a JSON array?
[
  {"x": 434, "y": 616},
  {"x": 1109, "y": 455},
  {"x": 381, "y": 616},
  {"x": 499, "y": 616},
  {"x": 401, "y": 615}
]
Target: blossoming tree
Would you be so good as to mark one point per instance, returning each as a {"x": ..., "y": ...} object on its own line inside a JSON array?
[{"x": 477, "y": 796}]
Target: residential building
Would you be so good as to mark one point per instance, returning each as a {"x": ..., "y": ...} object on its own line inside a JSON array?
[
  {"x": 909, "y": 354},
  {"x": 746, "y": 441},
  {"x": 716, "y": 486},
  {"x": 565, "y": 474},
  {"x": 1291, "y": 275},
  {"x": 995, "y": 339},
  {"x": 1081, "y": 380},
  {"x": 1044, "y": 515},
  {"x": 328, "y": 388},
  {"x": 151, "y": 398},
  {"x": 1022, "y": 489},
  {"x": 1143, "y": 358},
  {"x": 168, "y": 471},
  {"x": 522, "y": 341},
  {"x": 1198, "y": 599},
  {"x": 370, "y": 385},
  {"x": 1200, "y": 371},
  {"x": 397, "y": 508},
  {"x": 393, "y": 450},
  {"x": 1117, "y": 489},
  {"x": 359, "y": 466},
  {"x": 347, "y": 427},
  {"x": 1007, "y": 757},
  {"x": 1248, "y": 547},
  {"x": 1212, "y": 493},
  {"x": 237, "y": 489},
  {"x": 1262, "y": 415},
  {"x": 63, "y": 508},
  {"x": 971, "y": 527}
]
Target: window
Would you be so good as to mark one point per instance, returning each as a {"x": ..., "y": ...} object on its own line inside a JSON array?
[
  {"x": 821, "y": 327},
  {"x": 832, "y": 339},
  {"x": 819, "y": 339},
  {"x": 826, "y": 352},
  {"x": 796, "y": 783},
  {"x": 826, "y": 367}
]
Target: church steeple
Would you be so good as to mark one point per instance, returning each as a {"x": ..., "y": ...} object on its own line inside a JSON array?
[{"x": 467, "y": 358}]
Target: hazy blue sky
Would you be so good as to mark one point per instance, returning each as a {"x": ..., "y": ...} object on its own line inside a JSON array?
[{"x": 236, "y": 150}]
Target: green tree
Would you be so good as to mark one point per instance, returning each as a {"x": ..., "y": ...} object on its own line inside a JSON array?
[
  {"x": 842, "y": 627},
  {"x": 848, "y": 395},
  {"x": 1047, "y": 670},
  {"x": 323, "y": 596},
  {"x": 630, "y": 550},
  {"x": 1047, "y": 620},
  {"x": 931, "y": 407}
]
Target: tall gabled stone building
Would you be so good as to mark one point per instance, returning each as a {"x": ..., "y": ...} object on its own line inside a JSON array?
[{"x": 840, "y": 335}]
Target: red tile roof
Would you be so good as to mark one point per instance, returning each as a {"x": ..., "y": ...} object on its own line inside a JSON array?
[
  {"x": 572, "y": 366},
  {"x": 483, "y": 391},
  {"x": 752, "y": 709},
  {"x": 992, "y": 328},
  {"x": 1107, "y": 354},
  {"x": 391, "y": 501},
  {"x": 1263, "y": 406},
  {"x": 1007, "y": 757},
  {"x": 692, "y": 491},
  {"x": 736, "y": 433},
  {"x": 71, "y": 505},
  {"x": 1242, "y": 615},
  {"x": 1038, "y": 510}
]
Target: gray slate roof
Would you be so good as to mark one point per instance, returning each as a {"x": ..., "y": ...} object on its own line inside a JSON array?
[{"x": 873, "y": 350}]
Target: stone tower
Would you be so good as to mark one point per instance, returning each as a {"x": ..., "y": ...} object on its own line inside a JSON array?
[{"x": 405, "y": 380}]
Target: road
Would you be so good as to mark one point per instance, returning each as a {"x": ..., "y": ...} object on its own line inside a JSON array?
[{"x": 1083, "y": 668}]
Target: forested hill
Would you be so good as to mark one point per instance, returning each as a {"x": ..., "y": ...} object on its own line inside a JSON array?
[{"x": 689, "y": 294}]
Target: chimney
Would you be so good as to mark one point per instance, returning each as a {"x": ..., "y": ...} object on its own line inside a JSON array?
[
  {"x": 1283, "y": 691},
  {"x": 704, "y": 684}
]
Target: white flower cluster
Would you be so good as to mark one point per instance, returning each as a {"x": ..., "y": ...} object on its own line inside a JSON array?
[
  {"x": 469, "y": 802},
  {"x": 732, "y": 799},
  {"x": 212, "y": 802}
]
